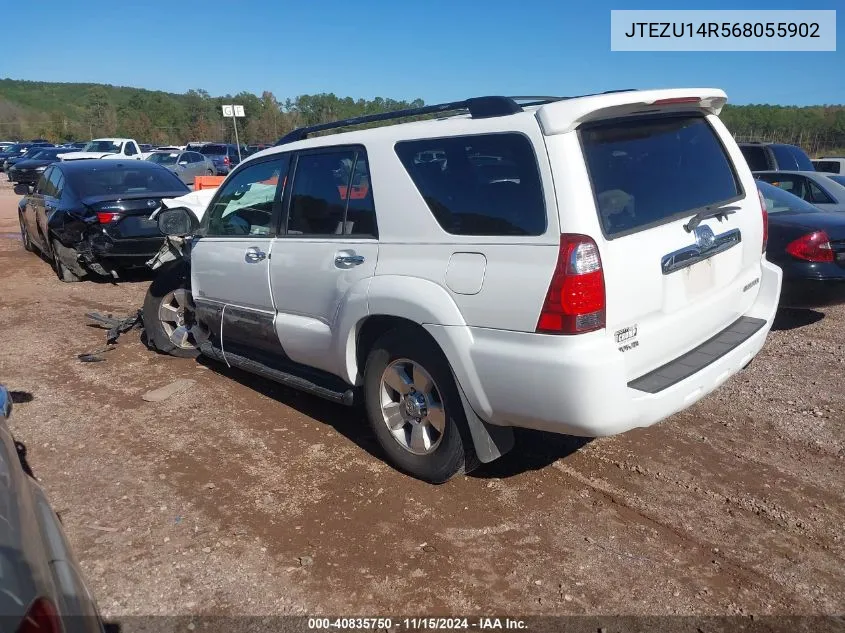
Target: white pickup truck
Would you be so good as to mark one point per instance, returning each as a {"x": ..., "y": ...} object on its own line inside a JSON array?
[{"x": 115, "y": 148}]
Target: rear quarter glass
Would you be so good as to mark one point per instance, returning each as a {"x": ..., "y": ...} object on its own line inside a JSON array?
[{"x": 650, "y": 171}]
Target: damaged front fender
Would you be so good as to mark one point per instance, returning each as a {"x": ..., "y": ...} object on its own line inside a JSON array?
[{"x": 173, "y": 248}]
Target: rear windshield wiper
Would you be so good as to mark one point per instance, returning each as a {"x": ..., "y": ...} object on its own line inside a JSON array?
[{"x": 712, "y": 211}]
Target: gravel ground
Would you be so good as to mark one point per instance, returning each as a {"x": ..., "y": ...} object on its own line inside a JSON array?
[{"x": 238, "y": 496}]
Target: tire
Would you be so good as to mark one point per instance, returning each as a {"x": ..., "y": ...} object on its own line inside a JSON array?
[
  {"x": 64, "y": 273},
  {"x": 416, "y": 445},
  {"x": 27, "y": 243},
  {"x": 168, "y": 313}
]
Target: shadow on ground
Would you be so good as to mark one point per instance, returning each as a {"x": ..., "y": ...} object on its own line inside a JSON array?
[
  {"x": 533, "y": 450},
  {"x": 793, "y": 318}
]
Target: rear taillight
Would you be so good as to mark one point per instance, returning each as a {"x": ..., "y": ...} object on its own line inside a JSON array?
[
  {"x": 813, "y": 247},
  {"x": 105, "y": 217},
  {"x": 41, "y": 617},
  {"x": 575, "y": 302},
  {"x": 226, "y": 160},
  {"x": 765, "y": 213}
]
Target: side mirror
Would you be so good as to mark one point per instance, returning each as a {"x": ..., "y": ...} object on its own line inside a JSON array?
[
  {"x": 183, "y": 162},
  {"x": 22, "y": 189},
  {"x": 177, "y": 222}
]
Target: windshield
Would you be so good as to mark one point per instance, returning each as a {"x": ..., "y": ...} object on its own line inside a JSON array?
[
  {"x": 213, "y": 150},
  {"x": 13, "y": 149},
  {"x": 163, "y": 159},
  {"x": 117, "y": 180},
  {"x": 780, "y": 201},
  {"x": 46, "y": 154},
  {"x": 837, "y": 179},
  {"x": 30, "y": 153},
  {"x": 102, "y": 146}
]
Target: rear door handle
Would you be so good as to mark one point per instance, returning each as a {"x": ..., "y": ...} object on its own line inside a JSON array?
[
  {"x": 254, "y": 255},
  {"x": 347, "y": 259}
]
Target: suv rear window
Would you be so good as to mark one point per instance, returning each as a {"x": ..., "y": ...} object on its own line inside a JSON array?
[
  {"x": 485, "y": 184},
  {"x": 213, "y": 150},
  {"x": 649, "y": 171}
]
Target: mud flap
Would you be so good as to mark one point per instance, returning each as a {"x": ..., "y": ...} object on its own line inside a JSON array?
[{"x": 490, "y": 441}]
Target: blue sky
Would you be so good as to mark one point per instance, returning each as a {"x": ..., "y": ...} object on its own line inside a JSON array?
[{"x": 434, "y": 49}]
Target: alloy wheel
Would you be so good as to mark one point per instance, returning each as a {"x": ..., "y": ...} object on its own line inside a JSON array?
[
  {"x": 177, "y": 314},
  {"x": 412, "y": 407}
]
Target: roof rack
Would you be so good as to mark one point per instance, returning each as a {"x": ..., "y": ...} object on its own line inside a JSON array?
[{"x": 478, "y": 108}]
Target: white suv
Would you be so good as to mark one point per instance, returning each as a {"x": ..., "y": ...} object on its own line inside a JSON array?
[{"x": 584, "y": 265}]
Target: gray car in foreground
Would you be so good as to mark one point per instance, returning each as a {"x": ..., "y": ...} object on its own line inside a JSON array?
[
  {"x": 41, "y": 586},
  {"x": 186, "y": 165},
  {"x": 818, "y": 188}
]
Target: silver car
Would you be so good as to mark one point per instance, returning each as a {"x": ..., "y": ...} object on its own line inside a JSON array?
[
  {"x": 186, "y": 165},
  {"x": 41, "y": 586},
  {"x": 816, "y": 187}
]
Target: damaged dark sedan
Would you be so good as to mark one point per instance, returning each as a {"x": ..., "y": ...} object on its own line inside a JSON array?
[{"x": 93, "y": 216}]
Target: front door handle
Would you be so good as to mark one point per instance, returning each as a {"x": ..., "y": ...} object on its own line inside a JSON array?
[
  {"x": 254, "y": 255},
  {"x": 346, "y": 259}
]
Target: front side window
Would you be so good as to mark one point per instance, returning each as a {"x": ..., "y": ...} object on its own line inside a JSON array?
[
  {"x": 478, "y": 185},
  {"x": 787, "y": 182},
  {"x": 650, "y": 171},
  {"x": 245, "y": 204},
  {"x": 130, "y": 149},
  {"x": 331, "y": 195}
]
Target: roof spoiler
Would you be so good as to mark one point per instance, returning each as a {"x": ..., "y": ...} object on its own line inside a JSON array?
[{"x": 564, "y": 116}]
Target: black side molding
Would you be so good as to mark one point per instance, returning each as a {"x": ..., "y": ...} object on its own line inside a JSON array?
[
  {"x": 302, "y": 383},
  {"x": 697, "y": 359}
]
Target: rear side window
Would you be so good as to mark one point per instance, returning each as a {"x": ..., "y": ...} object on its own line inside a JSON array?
[
  {"x": 756, "y": 157},
  {"x": 791, "y": 157},
  {"x": 648, "y": 171},
  {"x": 478, "y": 185}
]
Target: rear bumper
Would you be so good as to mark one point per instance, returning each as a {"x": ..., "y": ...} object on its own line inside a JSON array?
[
  {"x": 103, "y": 251},
  {"x": 812, "y": 285},
  {"x": 579, "y": 385}
]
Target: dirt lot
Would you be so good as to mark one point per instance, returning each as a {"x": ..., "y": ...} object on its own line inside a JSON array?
[{"x": 241, "y": 497}]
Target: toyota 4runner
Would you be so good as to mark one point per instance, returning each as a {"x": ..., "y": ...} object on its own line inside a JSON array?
[{"x": 582, "y": 265}]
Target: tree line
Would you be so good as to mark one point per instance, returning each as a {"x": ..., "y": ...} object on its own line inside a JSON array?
[{"x": 78, "y": 111}]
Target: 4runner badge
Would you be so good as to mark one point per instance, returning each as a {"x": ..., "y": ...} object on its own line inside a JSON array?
[{"x": 625, "y": 338}]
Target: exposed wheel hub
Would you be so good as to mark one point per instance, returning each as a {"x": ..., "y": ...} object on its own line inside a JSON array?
[{"x": 415, "y": 405}]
